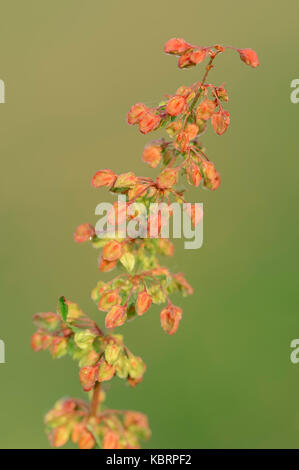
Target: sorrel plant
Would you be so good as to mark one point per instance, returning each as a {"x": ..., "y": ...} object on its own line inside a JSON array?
[{"x": 142, "y": 280}]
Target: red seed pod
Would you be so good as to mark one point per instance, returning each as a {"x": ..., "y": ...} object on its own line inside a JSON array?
[
  {"x": 249, "y": 56},
  {"x": 185, "y": 61},
  {"x": 152, "y": 155},
  {"x": 220, "y": 121},
  {"x": 136, "y": 112},
  {"x": 167, "y": 178},
  {"x": 149, "y": 122},
  {"x": 111, "y": 440},
  {"x": 108, "y": 300},
  {"x": 126, "y": 180},
  {"x": 116, "y": 316},
  {"x": 88, "y": 376},
  {"x": 192, "y": 131},
  {"x": 170, "y": 318},
  {"x": 86, "y": 440},
  {"x": 182, "y": 141},
  {"x": 180, "y": 279},
  {"x": 106, "y": 266},
  {"x": 59, "y": 436},
  {"x": 198, "y": 55},
  {"x": 106, "y": 371},
  {"x": 176, "y": 105},
  {"x": 174, "y": 128},
  {"x": 83, "y": 233},
  {"x": 103, "y": 178},
  {"x": 184, "y": 91},
  {"x": 205, "y": 110},
  {"x": 212, "y": 178},
  {"x": 222, "y": 94},
  {"x": 112, "y": 251},
  {"x": 36, "y": 341},
  {"x": 143, "y": 303},
  {"x": 193, "y": 175},
  {"x": 176, "y": 46}
]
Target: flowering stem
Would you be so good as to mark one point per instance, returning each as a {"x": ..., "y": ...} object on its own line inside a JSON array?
[
  {"x": 95, "y": 400},
  {"x": 208, "y": 68}
]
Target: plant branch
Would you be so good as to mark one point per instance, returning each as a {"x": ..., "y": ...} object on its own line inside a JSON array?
[{"x": 95, "y": 400}]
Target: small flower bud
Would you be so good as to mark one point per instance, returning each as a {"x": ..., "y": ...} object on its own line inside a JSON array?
[
  {"x": 136, "y": 112},
  {"x": 192, "y": 131},
  {"x": 184, "y": 91},
  {"x": 58, "y": 347},
  {"x": 106, "y": 371},
  {"x": 116, "y": 316},
  {"x": 174, "y": 128},
  {"x": 111, "y": 440},
  {"x": 185, "y": 61},
  {"x": 88, "y": 376},
  {"x": 136, "y": 367},
  {"x": 183, "y": 284},
  {"x": 86, "y": 440},
  {"x": 112, "y": 352},
  {"x": 152, "y": 155},
  {"x": 108, "y": 299},
  {"x": 84, "y": 338},
  {"x": 126, "y": 180},
  {"x": 112, "y": 251},
  {"x": 106, "y": 266},
  {"x": 149, "y": 122},
  {"x": 165, "y": 247},
  {"x": 176, "y": 46},
  {"x": 103, "y": 178},
  {"x": 205, "y": 110},
  {"x": 143, "y": 302},
  {"x": 220, "y": 122},
  {"x": 176, "y": 105},
  {"x": 222, "y": 94},
  {"x": 170, "y": 318},
  {"x": 59, "y": 436},
  {"x": 212, "y": 178},
  {"x": 249, "y": 56},
  {"x": 198, "y": 55},
  {"x": 167, "y": 178},
  {"x": 193, "y": 175},
  {"x": 83, "y": 233}
]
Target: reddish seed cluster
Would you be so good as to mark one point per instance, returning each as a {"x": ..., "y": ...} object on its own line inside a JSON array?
[{"x": 143, "y": 281}]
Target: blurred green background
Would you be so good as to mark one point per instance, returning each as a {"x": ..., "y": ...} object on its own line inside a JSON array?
[{"x": 72, "y": 69}]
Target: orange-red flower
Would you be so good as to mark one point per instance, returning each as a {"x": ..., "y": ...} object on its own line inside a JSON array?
[
  {"x": 103, "y": 178},
  {"x": 83, "y": 233},
  {"x": 249, "y": 56},
  {"x": 198, "y": 55},
  {"x": 148, "y": 122},
  {"x": 170, "y": 318},
  {"x": 205, "y": 109},
  {"x": 220, "y": 121},
  {"x": 176, "y": 46},
  {"x": 167, "y": 178},
  {"x": 176, "y": 105},
  {"x": 112, "y": 250},
  {"x": 116, "y": 316},
  {"x": 136, "y": 112},
  {"x": 152, "y": 155},
  {"x": 143, "y": 303}
]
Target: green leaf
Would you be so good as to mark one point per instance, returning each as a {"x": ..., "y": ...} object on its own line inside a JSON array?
[{"x": 62, "y": 307}]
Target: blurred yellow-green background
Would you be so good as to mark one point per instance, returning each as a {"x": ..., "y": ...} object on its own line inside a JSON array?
[{"x": 72, "y": 69}]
